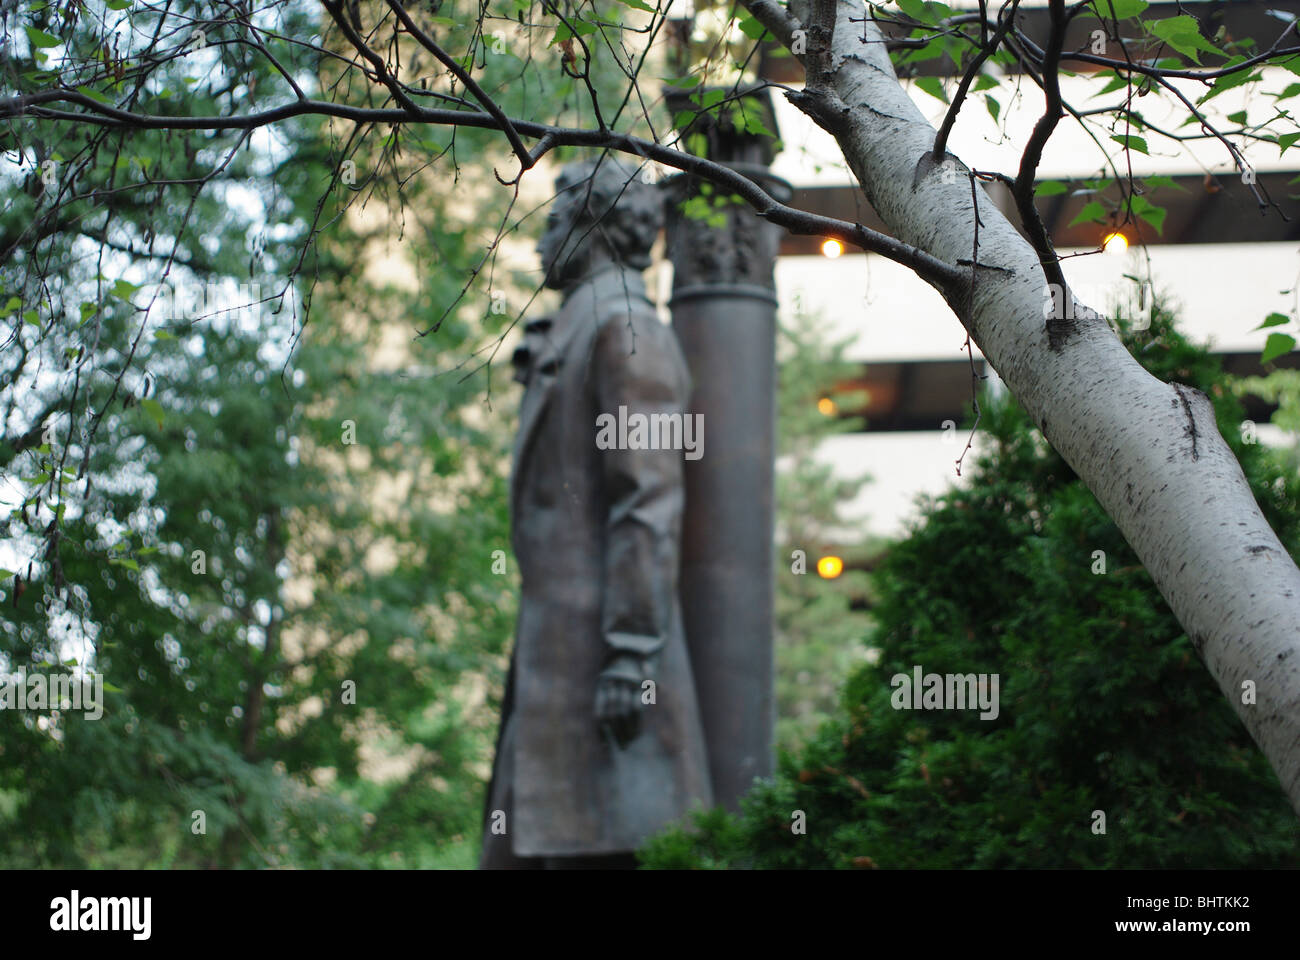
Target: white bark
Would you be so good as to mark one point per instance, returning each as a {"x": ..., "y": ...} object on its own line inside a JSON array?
[{"x": 1149, "y": 451}]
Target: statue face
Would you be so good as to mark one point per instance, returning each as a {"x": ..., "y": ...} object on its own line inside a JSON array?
[
  {"x": 565, "y": 244},
  {"x": 573, "y": 245}
]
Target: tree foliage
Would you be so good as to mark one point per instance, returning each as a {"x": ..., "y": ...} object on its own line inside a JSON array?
[
  {"x": 1103, "y": 705},
  {"x": 274, "y": 514},
  {"x": 819, "y": 622}
]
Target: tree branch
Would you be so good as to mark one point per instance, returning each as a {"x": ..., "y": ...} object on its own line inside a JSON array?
[
  {"x": 1024, "y": 190},
  {"x": 796, "y": 221},
  {"x": 459, "y": 72}
]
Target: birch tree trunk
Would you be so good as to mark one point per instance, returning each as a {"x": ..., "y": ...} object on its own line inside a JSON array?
[{"x": 1150, "y": 451}]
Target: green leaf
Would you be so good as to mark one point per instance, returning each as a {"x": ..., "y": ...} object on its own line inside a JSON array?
[
  {"x": 154, "y": 409},
  {"x": 984, "y": 82},
  {"x": 94, "y": 95},
  {"x": 1123, "y": 9},
  {"x": 933, "y": 86},
  {"x": 1284, "y": 140},
  {"x": 748, "y": 121},
  {"x": 1238, "y": 118},
  {"x": 709, "y": 98},
  {"x": 1182, "y": 33},
  {"x": 6, "y": 574},
  {"x": 1231, "y": 80},
  {"x": 933, "y": 50},
  {"x": 125, "y": 562},
  {"x": 111, "y": 688},
  {"x": 748, "y": 26},
  {"x": 1148, "y": 211},
  {"x": 13, "y": 304},
  {"x": 40, "y": 38},
  {"x": 1161, "y": 180},
  {"x": 995, "y": 108},
  {"x": 1291, "y": 90},
  {"x": 914, "y": 9},
  {"x": 31, "y": 316},
  {"x": 1050, "y": 188},
  {"x": 1130, "y": 142},
  {"x": 118, "y": 4},
  {"x": 1276, "y": 345},
  {"x": 124, "y": 290},
  {"x": 580, "y": 28},
  {"x": 1274, "y": 320},
  {"x": 1092, "y": 212},
  {"x": 1116, "y": 82}
]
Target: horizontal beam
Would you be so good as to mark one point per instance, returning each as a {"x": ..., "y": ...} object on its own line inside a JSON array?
[
  {"x": 921, "y": 395},
  {"x": 1240, "y": 19},
  {"x": 1199, "y": 210}
]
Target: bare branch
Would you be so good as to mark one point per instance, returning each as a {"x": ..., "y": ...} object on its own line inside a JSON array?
[
  {"x": 794, "y": 220},
  {"x": 1043, "y": 129},
  {"x": 461, "y": 74}
]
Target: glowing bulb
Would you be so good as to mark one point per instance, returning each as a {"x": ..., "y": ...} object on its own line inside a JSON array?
[
  {"x": 830, "y": 567},
  {"x": 832, "y": 248},
  {"x": 1115, "y": 243},
  {"x": 826, "y": 407}
]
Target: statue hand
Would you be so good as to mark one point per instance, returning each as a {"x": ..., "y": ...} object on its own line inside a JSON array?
[{"x": 618, "y": 707}]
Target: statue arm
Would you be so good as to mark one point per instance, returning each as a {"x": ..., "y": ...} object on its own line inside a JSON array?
[{"x": 639, "y": 367}]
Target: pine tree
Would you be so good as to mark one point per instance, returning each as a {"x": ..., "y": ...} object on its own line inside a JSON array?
[{"x": 1112, "y": 746}]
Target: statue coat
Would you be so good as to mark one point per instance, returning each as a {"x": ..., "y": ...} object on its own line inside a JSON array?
[{"x": 596, "y": 536}]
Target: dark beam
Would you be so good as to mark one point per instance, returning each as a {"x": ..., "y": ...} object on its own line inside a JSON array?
[
  {"x": 1199, "y": 210},
  {"x": 1239, "y": 18},
  {"x": 922, "y": 394}
]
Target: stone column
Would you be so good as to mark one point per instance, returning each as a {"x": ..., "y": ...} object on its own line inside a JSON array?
[{"x": 724, "y": 312}]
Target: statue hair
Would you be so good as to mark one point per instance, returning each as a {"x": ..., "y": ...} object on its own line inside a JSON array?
[{"x": 609, "y": 198}]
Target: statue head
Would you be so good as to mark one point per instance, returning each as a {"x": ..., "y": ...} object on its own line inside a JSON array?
[{"x": 603, "y": 213}]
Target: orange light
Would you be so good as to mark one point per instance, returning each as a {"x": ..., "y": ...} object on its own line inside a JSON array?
[
  {"x": 826, "y": 407},
  {"x": 832, "y": 248},
  {"x": 828, "y": 568},
  {"x": 1115, "y": 243}
]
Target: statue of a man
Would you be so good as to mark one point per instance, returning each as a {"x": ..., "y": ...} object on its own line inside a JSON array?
[{"x": 600, "y": 742}]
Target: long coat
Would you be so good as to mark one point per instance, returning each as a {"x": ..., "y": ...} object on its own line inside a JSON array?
[{"x": 596, "y": 535}]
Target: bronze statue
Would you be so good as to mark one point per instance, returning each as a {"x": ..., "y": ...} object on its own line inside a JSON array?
[{"x": 600, "y": 742}]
